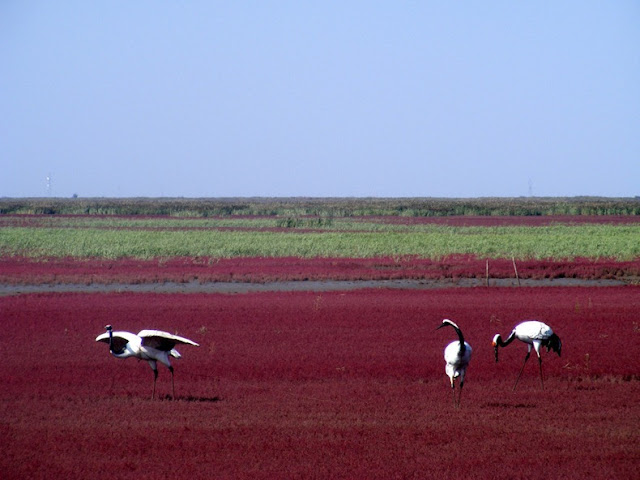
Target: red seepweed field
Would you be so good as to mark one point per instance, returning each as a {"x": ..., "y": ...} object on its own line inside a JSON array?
[
  {"x": 26, "y": 271},
  {"x": 321, "y": 385}
]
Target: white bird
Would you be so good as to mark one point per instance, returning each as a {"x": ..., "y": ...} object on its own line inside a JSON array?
[
  {"x": 150, "y": 345},
  {"x": 535, "y": 334},
  {"x": 456, "y": 356}
]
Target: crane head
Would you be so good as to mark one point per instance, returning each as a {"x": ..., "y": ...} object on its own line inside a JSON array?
[
  {"x": 108, "y": 328},
  {"x": 447, "y": 322}
]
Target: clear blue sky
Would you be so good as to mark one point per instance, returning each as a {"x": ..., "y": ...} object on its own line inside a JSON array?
[{"x": 327, "y": 98}]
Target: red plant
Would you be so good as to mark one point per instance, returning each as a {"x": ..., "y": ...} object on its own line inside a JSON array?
[
  {"x": 331, "y": 384},
  {"x": 25, "y": 271}
]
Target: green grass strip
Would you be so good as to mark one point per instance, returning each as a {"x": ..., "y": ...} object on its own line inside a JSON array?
[{"x": 620, "y": 242}]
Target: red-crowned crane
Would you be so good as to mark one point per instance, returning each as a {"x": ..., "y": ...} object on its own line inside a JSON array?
[
  {"x": 535, "y": 334},
  {"x": 456, "y": 356},
  {"x": 150, "y": 345}
]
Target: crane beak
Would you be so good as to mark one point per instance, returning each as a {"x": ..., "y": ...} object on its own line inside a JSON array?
[
  {"x": 443, "y": 325},
  {"x": 495, "y": 350}
]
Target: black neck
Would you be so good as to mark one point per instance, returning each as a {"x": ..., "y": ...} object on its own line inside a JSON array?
[
  {"x": 508, "y": 341},
  {"x": 463, "y": 347},
  {"x": 111, "y": 347}
]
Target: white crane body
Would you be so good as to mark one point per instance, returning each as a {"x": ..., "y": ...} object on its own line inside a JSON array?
[
  {"x": 533, "y": 333},
  {"x": 455, "y": 363}
]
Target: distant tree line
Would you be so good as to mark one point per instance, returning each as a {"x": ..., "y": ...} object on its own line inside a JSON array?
[{"x": 324, "y": 207}]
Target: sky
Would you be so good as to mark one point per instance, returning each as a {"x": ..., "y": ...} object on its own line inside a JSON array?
[{"x": 153, "y": 98}]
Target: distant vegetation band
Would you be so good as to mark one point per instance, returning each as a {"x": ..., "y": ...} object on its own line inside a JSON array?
[{"x": 327, "y": 207}]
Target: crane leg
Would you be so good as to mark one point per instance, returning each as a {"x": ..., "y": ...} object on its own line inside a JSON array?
[
  {"x": 173, "y": 387},
  {"x": 460, "y": 394},
  {"x": 541, "y": 377},
  {"x": 155, "y": 377},
  {"x": 453, "y": 392},
  {"x": 521, "y": 369}
]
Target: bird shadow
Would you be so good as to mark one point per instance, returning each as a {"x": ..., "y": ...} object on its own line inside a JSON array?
[
  {"x": 170, "y": 398},
  {"x": 194, "y": 399},
  {"x": 508, "y": 405}
]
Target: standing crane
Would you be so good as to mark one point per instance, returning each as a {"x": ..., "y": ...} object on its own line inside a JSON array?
[
  {"x": 535, "y": 334},
  {"x": 456, "y": 356},
  {"x": 150, "y": 345}
]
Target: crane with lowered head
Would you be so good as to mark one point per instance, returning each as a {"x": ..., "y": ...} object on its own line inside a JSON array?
[{"x": 535, "y": 334}]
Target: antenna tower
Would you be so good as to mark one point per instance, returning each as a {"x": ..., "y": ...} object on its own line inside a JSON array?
[{"x": 49, "y": 179}]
